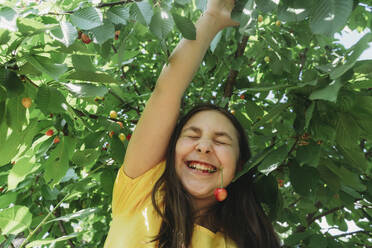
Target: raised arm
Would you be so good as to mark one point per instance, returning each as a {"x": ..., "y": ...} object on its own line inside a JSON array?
[{"x": 150, "y": 138}]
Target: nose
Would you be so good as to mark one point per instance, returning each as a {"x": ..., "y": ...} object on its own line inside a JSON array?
[{"x": 203, "y": 147}]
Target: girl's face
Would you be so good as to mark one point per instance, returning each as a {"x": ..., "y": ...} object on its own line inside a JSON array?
[{"x": 207, "y": 144}]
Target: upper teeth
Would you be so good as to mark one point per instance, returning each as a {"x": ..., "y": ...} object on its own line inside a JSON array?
[{"x": 202, "y": 167}]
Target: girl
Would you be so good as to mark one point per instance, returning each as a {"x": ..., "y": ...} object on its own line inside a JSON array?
[{"x": 164, "y": 192}]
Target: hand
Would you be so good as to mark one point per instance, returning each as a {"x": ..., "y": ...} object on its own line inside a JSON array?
[{"x": 221, "y": 10}]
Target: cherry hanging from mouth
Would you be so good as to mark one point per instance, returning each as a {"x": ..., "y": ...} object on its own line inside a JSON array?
[{"x": 220, "y": 193}]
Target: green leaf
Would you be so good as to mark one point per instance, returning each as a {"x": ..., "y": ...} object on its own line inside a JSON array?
[
  {"x": 65, "y": 33},
  {"x": 20, "y": 170},
  {"x": 347, "y": 177},
  {"x": 50, "y": 100},
  {"x": 57, "y": 164},
  {"x": 266, "y": 5},
  {"x": 83, "y": 63},
  {"x": 296, "y": 12},
  {"x": 243, "y": 119},
  {"x": 4, "y": 36},
  {"x": 309, "y": 114},
  {"x": 142, "y": 12},
  {"x": 303, "y": 179},
  {"x": 266, "y": 189},
  {"x": 8, "y": 19},
  {"x": 344, "y": 137},
  {"x": 118, "y": 15},
  {"x": 362, "y": 66},
  {"x": 77, "y": 215},
  {"x": 186, "y": 27},
  {"x": 273, "y": 160},
  {"x": 38, "y": 243},
  {"x": 107, "y": 181},
  {"x": 87, "y": 18},
  {"x": 183, "y": 2},
  {"x": 124, "y": 55},
  {"x": 10, "y": 145},
  {"x": 330, "y": 16},
  {"x": 86, "y": 158},
  {"x": 16, "y": 113},
  {"x": 355, "y": 157},
  {"x": 330, "y": 178},
  {"x": 15, "y": 220},
  {"x": 47, "y": 66},
  {"x": 253, "y": 162},
  {"x": 274, "y": 113},
  {"x": 161, "y": 24},
  {"x": 318, "y": 241},
  {"x": 354, "y": 53},
  {"x": 87, "y": 90},
  {"x": 118, "y": 149},
  {"x": 103, "y": 33},
  {"x": 28, "y": 26},
  {"x": 7, "y": 199},
  {"x": 329, "y": 93},
  {"x": 297, "y": 238},
  {"x": 11, "y": 82},
  {"x": 308, "y": 155},
  {"x": 99, "y": 77},
  {"x": 215, "y": 41}
]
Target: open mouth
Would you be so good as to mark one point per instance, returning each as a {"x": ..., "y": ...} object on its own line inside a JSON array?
[{"x": 200, "y": 166}]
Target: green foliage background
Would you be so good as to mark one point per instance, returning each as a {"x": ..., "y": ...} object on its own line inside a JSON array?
[{"x": 304, "y": 100}]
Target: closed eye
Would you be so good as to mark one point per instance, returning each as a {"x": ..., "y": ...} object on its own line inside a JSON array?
[
  {"x": 193, "y": 137},
  {"x": 220, "y": 142}
]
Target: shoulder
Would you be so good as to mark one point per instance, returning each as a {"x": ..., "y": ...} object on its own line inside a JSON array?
[{"x": 129, "y": 192}]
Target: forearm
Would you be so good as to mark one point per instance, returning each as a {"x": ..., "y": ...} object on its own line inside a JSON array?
[{"x": 186, "y": 57}]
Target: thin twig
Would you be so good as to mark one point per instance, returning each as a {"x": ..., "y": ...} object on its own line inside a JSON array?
[
  {"x": 230, "y": 82},
  {"x": 102, "y": 5},
  {"x": 42, "y": 222},
  {"x": 11, "y": 243},
  {"x": 352, "y": 233},
  {"x": 62, "y": 227}
]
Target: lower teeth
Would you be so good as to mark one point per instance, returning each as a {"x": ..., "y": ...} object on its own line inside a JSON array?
[{"x": 204, "y": 171}]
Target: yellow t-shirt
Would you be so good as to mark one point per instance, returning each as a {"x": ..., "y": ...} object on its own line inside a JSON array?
[{"x": 135, "y": 221}]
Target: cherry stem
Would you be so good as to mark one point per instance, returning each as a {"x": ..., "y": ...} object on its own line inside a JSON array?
[{"x": 222, "y": 178}]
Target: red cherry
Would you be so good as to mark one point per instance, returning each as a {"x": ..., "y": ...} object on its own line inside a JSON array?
[
  {"x": 280, "y": 182},
  {"x": 129, "y": 136},
  {"x": 1, "y": 189},
  {"x": 49, "y": 132},
  {"x": 242, "y": 96},
  {"x": 85, "y": 38},
  {"x": 220, "y": 194},
  {"x": 56, "y": 140},
  {"x": 120, "y": 124}
]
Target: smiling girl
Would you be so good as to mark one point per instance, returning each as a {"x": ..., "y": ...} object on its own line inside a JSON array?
[{"x": 164, "y": 192}]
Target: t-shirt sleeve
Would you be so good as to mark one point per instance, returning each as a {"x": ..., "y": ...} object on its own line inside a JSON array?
[{"x": 129, "y": 194}]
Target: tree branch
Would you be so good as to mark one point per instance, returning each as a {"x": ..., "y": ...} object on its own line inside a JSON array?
[
  {"x": 234, "y": 73},
  {"x": 302, "y": 60},
  {"x": 102, "y": 5},
  {"x": 62, "y": 227},
  {"x": 11, "y": 243},
  {"x": 331, "y": 211},
  {"x": 352, "y": 233}
]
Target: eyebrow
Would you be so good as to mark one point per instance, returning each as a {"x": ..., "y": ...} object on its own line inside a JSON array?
[{"x": 198, "y": 130}]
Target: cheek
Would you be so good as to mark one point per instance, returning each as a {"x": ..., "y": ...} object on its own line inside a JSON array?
[{"x": 182, "y": 147}]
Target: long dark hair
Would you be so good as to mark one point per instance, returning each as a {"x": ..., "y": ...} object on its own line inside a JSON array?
[{"x": 240, "y": 217}]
